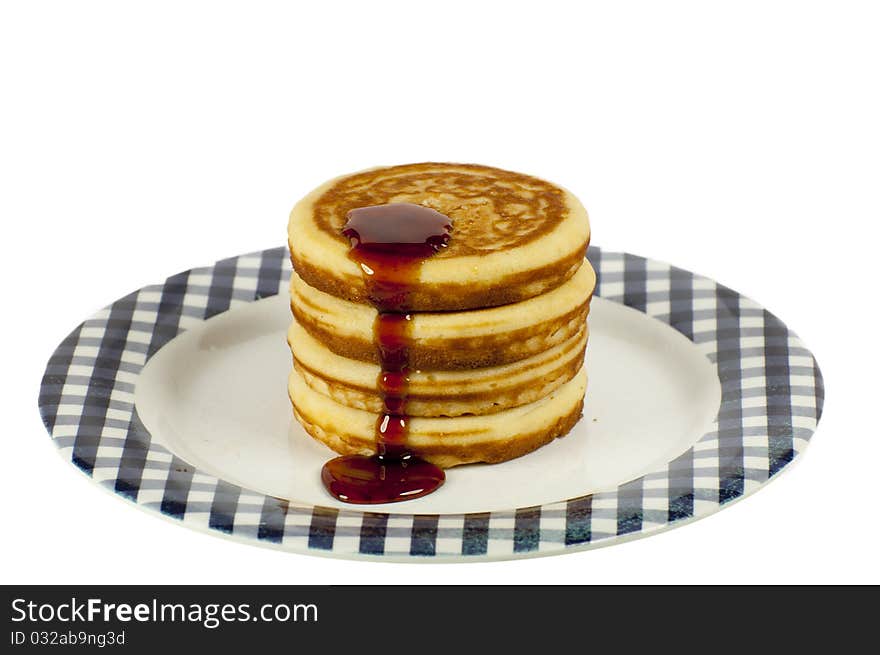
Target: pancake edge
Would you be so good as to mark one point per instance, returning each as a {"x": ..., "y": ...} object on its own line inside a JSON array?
[
  {"x": 491, "y": 451},
  {"x": 478, "y": 344},
  {"x": 494, "y": 397},
  {"x": 465, "y": 282}
]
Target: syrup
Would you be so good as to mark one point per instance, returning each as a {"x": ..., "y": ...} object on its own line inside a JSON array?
[{"x": 389, "y": 243}]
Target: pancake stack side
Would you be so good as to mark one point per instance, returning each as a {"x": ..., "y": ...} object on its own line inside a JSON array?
[{"x": 499, "y": 317}]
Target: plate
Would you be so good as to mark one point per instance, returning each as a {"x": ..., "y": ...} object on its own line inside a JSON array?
[{"x": 174, "y": 397}]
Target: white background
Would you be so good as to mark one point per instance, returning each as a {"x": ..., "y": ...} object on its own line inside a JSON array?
[{"x": 738, "y": 140}]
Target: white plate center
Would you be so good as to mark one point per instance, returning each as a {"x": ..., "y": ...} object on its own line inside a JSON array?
[{"x": 216, "y": 396}]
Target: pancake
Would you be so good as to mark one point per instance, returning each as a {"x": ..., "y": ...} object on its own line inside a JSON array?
[
  {"x": 438, "y": 393},
  {"x": 451, "y": 340},
  {"x": 445, "y": 442},
  {"x": 513, "y": 236}
]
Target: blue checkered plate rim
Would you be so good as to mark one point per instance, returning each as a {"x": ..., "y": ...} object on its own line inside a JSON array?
[{"x": 771, "y": 400}]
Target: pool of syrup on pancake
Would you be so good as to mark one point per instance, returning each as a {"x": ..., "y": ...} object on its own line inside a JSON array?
[{"x": 389, "y": 243}]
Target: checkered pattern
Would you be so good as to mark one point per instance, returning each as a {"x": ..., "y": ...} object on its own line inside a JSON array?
[{"x": 771, "y": 401}]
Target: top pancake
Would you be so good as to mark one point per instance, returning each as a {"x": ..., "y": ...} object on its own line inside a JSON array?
[{"x": 513, "y": 236}]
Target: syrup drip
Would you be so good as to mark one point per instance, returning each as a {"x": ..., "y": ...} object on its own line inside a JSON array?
[{"x": 389, "y": 243}]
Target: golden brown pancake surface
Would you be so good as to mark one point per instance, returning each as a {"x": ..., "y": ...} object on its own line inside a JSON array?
[{"x": 514, "y": 236}]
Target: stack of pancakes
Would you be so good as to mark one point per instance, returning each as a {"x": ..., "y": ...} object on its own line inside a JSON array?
[{"x": 498, "y": 327}]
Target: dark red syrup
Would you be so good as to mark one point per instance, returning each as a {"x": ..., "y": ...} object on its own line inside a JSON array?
[{"x": 389, "y": 243}]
